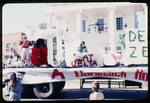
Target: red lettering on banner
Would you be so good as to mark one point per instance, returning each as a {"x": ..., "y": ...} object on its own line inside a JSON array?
[
  {"x": 83, "y": 62},
  {"x": 73, "y": 63},
  {"x": 141, "y": 76},
  {"x": 123, "y": 74},
  {"x": 57, "y": 73},
  {"x": 94, "y": 63},
  {"x": 91, "y": 63},
  {"x": 116, "y": 75},
  {"x": 110, "y": 74},
  {"x": 90, "y": 56},
  {"x": 79, "y": 63},
  {"x": 86, "y": 57},
  {"x": 77, "y": 74},
  {"x": 85, "y": 74}
]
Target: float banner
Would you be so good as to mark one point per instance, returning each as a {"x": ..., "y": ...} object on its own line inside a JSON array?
[
  {"x": 87, "y": 60},
  {"x": 46, "y": 75},
  {"x": 136, "y": 49}
]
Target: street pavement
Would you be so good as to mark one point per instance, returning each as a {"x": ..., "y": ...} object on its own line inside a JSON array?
[{"x": 72, "y": 91}]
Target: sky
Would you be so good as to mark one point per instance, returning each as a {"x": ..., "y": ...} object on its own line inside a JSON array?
[{"x": 15, "y": 17}]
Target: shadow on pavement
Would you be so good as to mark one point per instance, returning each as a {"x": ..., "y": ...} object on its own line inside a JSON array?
[
  {"x": 108, "y": 93},
  {"x": 83, "y": 94}
]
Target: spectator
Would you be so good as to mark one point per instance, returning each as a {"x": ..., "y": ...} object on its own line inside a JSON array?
[
  {"x": 15, "y": 88},
  {"x": 25, "y": 50},
  {"x": 82, "y": 47},
  {"x": 39, "y": 53},
  {"x": 96, "y": 95}
]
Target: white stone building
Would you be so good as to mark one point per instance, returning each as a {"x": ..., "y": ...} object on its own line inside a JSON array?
[{"x": 71, "y": 22}]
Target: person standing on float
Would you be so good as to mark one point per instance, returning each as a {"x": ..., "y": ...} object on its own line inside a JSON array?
[
  {"x": 25, "y": 50},
  {"x": 82, "y": 47}
]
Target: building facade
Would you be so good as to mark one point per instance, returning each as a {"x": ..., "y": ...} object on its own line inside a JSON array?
[
  {"x": 11, "y": 47},
  {"x": 98, "y": 24}
]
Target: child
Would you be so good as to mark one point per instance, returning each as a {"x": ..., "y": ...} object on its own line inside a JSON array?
[
  {"x": 15, "y": 88},
  {"x": 96, "y": 95}
]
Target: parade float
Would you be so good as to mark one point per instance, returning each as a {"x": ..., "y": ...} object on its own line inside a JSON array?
[
  {"x": 46, "y": 81},
  {"x": 102, "y": 59}
]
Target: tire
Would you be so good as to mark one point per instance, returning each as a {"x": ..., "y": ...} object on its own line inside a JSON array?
[
  {"x": 45, "y": 90},
  {"x": 27, "y": 91},
  {"x": 61, "y": 85}
]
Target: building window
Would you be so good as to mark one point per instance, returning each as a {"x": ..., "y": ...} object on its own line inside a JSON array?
[
  {"x": 107, "y": 49},
  {"x": 63, "y": 42},
  {"x": 7, "y": 46},
  {"x": 11, "y": 56},
  {"x": 101, "y": 24},
  {"x": 119, "y": 49},
  {"x": 6, "y": 57},
  {"x": 136, "y": 21},
  {"x": 119, "y": 23},
  {"x": 14, "y": 46},
  {"x": 84, "y": 25}
]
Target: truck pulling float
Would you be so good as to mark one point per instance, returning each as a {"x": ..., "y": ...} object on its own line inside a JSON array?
[{"x": 45, "y": 82}]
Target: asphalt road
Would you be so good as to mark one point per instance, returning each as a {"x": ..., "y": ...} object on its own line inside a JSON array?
[{"x": 72, "y": 91}]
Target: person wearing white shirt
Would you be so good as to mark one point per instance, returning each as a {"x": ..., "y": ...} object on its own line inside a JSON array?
[{"x": 96, "y": 95}]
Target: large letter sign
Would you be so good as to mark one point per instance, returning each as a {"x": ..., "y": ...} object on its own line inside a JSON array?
[
  {"x": 57, "y": 73},
  {"x": 136, "y": 49}
]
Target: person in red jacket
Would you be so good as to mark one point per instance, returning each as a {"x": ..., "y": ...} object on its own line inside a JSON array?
[
  {"x": 25, "y": 49},
  {"x": 39, "y": 53}
]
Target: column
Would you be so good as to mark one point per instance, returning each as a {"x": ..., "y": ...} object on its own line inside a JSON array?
[
  {"x": 65, "y": 26},
  {"x": 49, "y": 20},
  {"x": 59, "y": 40},
  {"x": 49, "y": 38},
  {"x": 50, "y": 49},
  {"x": 112, "y": 28},
  {"x": 61, "y": 25},
  {"x": 79, "y": 21},
  {"x": 58, "y": 24}
]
